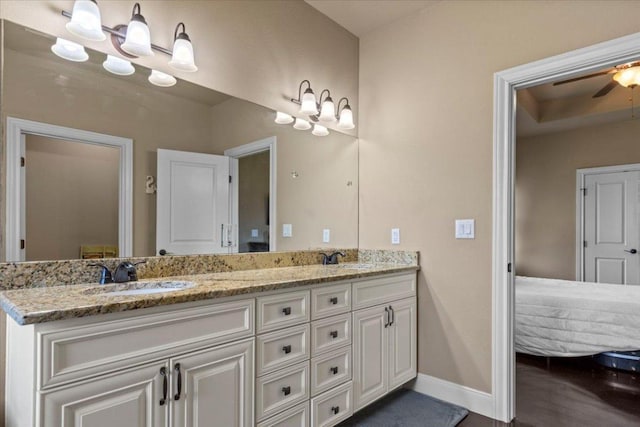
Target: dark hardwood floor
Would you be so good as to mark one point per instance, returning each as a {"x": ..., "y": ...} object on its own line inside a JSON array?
[{"x": 570, "y": 392}]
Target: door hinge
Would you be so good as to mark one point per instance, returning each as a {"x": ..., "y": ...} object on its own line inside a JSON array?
[
  {"x": 22, "y": 162},
  {"x": 22, "y": 243},
  {"x": 584, "y": 243},
  {"x": 584, "y": 192},
  {"x": 509, "y": 268},
  {"x": 230, "y": 179}
]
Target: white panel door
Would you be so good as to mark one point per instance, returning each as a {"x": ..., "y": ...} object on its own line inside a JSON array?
[
  {"x": 402, "y": 342},
  {"x": 192, "y": 203},
  {"x": 611, "y": 228},
  {"x": 128, "y": 399},
  {"x": 214, "y": 388},
  {"x": 370, "y": 353}
]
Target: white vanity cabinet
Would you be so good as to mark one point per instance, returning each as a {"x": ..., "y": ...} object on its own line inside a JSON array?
[
  {"x": 384, "y": 337},
  {"x": 175, "y": 367}
]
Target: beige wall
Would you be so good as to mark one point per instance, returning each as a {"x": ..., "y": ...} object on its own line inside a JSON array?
[
  {"x": 71, "y": 197},
  {"x": 546, "y": 191},
  {"x": 426, "y": 144},
  {"x": 253, "y": 199}
]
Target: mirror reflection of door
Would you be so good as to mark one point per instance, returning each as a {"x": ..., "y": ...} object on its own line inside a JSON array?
[
  {"x": 253, "y": 202},
  {"x": 71, "y": 199}
]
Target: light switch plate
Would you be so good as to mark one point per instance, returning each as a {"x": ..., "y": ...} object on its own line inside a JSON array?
[
  {"x": 326, "y": 235},
  {"x": 395, "y": 236},
  {"x": 287, "y": 230},
  {"x": 465, "y": 228}
]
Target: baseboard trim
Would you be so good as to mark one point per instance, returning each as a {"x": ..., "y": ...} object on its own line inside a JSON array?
[{"x": 474, "y": 400}]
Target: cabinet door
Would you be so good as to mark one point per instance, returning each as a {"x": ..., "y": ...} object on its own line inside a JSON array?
[
  {"x": 370, "y": 352},
  {"x": 127, "y": 399},
  {"x": 214, "y": 388},
  {"x": 402, "y": 342}
]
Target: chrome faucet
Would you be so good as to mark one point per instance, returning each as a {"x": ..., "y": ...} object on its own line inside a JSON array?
[
  {"x": 331, "y": 259},
  {"x": 126, "y": 272}
]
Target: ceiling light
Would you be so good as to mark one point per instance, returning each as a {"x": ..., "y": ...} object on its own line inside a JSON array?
[
  {"x": 628, "y": 77},
  {"x": 85, "y": 21},
  {"x": 319, "y": 130},
  {"x": 328, "y": 111},
  {"x": 69, "y": 50},
  {"x": 301, "y": 124},
  {"x": 161, "y": 79},
  {"x": 283, "y": 118},
  {"x": 182, "y": 58},
  {"x": 138, "y": 39},
  {"x": 118, "y": 66},
  {"x": 345, "y": 120}
]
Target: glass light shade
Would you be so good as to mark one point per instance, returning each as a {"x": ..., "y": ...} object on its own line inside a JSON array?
[
  {"x": 118, "y": 66},
  {"x": 319, "y": 130},
  {"x": 85, "y": 21},
  {"x": 69, "y": 50},
  {"x": 346, "y": 118},
  {"x": 182, "y": 58},
  {"x": 328, "y": 111},
  {"x": 283, "y": 118},
  {"x": 161, "y": 79},
  {"x": 138, "y": 39},
  {"x": 308, "y": 103},
  {"x": 629, "y": 77},
  {"x": 301, "y": 124}
]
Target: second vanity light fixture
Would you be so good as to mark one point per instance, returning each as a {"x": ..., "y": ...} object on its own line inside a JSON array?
[
  {"x": 131, "y": 41},
  {"x": 323, "y": 110}
]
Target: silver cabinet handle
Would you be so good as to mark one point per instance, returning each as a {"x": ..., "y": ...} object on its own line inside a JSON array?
[
  {"x": 386, "y": 317},
  {"x": 393, "y": 316}
]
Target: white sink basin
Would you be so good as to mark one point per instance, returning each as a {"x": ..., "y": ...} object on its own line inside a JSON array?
[
  {"x": 354, "y": 266},
  {"x": 141, "y": 288}
]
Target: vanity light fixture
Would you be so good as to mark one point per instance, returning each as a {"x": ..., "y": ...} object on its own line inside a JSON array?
[
  {"x": 301, "y": 124},
  {"x": 69, "y": 50},
  {"x": 161, "y": 79},
  {"x": 628, "y": 77},
  {"x": 182, "y": 58},
  {"x": 307, "y": 101},
  {"x": 345, "y": 117},
  {"x": 118, "y": 66},
  {"x": 283, "y": 118},
  {"x": 85, "y": 21},
  {"x": 327, "y": 110},
  {"x": 319, "y": 130},
  {"x": 138, "y": 38}
]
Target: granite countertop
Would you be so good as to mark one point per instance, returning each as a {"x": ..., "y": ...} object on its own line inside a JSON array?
[{"x": 39, "y": 305}]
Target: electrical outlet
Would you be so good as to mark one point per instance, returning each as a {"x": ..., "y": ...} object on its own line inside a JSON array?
[
  {"x": 395, "y": 236},
  {"x": 287, "y": 230},
  {"x": 326, "y": 235}
]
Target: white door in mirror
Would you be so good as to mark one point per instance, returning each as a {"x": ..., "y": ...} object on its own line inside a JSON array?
[{"x": 193, "y": 203}]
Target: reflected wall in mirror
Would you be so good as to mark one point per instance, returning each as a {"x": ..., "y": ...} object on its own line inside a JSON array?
[{"x": 315, "y": 178}]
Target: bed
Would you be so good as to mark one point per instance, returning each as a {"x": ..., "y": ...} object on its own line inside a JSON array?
[{"x": 569, "y": 319}]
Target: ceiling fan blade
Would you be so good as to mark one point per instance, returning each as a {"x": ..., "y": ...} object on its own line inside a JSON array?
[
  {"x": 605, "y": 90},
  {"x": 588, "y": 76}
]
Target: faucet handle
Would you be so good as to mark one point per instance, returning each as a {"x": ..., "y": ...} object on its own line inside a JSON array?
[{"x": 105, "y": 274}]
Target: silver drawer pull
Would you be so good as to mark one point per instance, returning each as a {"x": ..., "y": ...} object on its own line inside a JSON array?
[
  {"x": 286, "y": 311},
  {"x": 286, "y": 390},
  {"x": 333, "y": 300},
  {"x": 286, "y": 349},
  {"x": 335, "y": 409},
  {"x": 333, "y": 334},
  {"x": 334, "y": 370}
]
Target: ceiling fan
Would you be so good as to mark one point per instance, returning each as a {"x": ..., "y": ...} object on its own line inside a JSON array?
[{"x": 627, "y": 75}]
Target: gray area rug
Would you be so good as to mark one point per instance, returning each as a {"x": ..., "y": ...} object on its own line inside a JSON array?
[{"x": 407, "y": 408}]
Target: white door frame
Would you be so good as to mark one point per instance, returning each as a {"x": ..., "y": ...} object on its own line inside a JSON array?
[
  {"x": 266, "y": 144},
  {"x": 15, "y": 216},
  {"x": 580, "y": 184},
  {"x": 607, "y": 54}
]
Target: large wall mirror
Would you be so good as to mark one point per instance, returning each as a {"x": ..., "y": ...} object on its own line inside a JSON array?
[{"x": 69, "y": 200}]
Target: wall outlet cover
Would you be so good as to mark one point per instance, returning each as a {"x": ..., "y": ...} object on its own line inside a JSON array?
[
  {"x": 395, "y": 236},
  {"x": 254, "y": 232},
  {"x": 287, "y": 230},
  {"x": 326, "y": 235}
]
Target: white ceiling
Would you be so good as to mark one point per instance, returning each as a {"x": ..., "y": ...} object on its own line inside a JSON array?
[{"x": 363, "y": 16}]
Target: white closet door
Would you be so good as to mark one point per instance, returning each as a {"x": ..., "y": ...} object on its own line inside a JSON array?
[
  {"x": 193, "y": 203},
  {"x": 611, "y": 228}
]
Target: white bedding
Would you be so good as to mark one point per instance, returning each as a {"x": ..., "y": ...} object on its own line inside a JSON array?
[{"x": 564, "y": 318}]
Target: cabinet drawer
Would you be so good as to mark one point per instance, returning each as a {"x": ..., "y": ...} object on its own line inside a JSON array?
[
  {"x": 279, "y": 311},
  {"x": 295, "y": 417},
  {"x": 282, "y": 348},
  {"x": 330, "y": 300},
  {"x": 379, "y": 291},
  {"x": 331, "y": 407},
  {"x": 331, "y": 333},
  {"x": 79, "y": 352},
  {"x": 330, "y": 370},
  {"x": 281, "y": 390}
]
